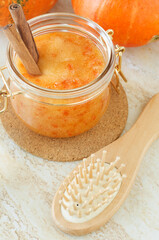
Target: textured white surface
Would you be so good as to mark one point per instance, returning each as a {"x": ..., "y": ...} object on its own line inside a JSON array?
[{"x": 28, "y": 183}]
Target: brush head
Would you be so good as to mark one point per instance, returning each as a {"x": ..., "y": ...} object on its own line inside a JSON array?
[{"x": 90, "y": 189}]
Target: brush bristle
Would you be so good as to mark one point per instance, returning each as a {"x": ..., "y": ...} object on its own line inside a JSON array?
[{"x": 92, "y": 187}]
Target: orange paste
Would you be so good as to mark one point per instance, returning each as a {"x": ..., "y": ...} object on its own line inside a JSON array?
[{"x": 66, "y": 61}]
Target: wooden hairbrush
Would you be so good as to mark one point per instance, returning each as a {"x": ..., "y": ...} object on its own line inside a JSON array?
[{"x": 96, "y": 188}]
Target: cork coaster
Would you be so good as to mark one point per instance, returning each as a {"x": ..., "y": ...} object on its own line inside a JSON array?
[{"x": 70, "y": 149}]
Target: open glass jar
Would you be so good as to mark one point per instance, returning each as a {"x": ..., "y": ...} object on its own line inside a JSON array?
[{"x": 62, "y": 113}]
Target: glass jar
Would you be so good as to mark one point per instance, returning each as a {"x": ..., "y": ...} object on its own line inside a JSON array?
[{"x": 61, "y": 113}]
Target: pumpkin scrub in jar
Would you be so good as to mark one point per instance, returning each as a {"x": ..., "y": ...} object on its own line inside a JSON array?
[{"x": 67, "y": 61}]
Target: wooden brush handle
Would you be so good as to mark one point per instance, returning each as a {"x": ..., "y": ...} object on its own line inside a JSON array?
[
  {"x": 132, "y": 146},
  {"x": 146, "y": 128}
]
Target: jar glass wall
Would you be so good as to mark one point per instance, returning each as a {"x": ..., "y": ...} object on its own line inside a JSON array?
[{"x": 63, "y": 113}]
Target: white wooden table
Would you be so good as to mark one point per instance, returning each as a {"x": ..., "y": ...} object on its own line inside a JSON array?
[{"x": 28, "y": 183}]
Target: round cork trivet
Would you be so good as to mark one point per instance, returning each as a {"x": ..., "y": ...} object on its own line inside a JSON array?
[{"x": 75, "y": 148}]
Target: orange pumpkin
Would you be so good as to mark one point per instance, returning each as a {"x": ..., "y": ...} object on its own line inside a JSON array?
[
  {"x": 31, "y": 8},
  {"x": 134, "y": 22}
]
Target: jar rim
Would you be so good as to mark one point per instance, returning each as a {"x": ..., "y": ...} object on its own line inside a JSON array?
[{"x": 75, "y": 92}]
